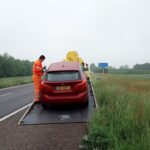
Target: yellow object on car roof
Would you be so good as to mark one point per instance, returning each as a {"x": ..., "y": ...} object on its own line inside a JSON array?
[{"x": 73, "y": 56}]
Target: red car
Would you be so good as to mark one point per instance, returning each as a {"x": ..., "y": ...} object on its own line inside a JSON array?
[{"x": 64, "y": 83}]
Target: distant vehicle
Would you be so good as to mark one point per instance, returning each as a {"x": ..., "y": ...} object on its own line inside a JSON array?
[{"x": 64, "y": 83}]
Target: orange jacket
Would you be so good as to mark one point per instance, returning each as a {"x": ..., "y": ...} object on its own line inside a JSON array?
[{"x": 37, "y": 68}]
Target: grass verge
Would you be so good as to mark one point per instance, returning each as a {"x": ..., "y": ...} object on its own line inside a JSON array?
[
  {"x": 13, "y": 81},
  {"x": 123, "y": 120}
]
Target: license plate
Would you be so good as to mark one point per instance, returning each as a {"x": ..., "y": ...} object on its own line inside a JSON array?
[{"x": 63, "y": 88}]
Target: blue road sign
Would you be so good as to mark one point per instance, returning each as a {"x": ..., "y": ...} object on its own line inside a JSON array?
[{"x": 103, "y": 65}]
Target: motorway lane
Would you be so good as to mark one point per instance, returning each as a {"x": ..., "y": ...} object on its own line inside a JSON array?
[
  {"x": 31, "y": 137},
  {"x": 12, "y": 99},
  {"x": 40, "y": 137}
]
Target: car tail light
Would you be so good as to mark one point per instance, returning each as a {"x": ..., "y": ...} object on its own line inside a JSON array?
[
  {"x": 82, "y": 86},
  {"x": 45, "y": 88}
]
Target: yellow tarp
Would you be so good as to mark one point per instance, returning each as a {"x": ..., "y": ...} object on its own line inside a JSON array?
[{"x": 73, "y": 56}]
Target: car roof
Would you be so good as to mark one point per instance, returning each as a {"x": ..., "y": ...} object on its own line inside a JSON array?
[{"x": 64, "y": 66}]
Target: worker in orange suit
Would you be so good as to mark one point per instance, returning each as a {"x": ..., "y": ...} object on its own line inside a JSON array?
[{"x": 36, "y": 77}]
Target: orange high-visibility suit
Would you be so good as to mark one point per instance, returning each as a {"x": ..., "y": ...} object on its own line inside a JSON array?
[{"x": 37, "y": 74}]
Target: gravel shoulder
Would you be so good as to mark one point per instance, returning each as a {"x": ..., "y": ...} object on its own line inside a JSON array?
[{"x": 40, "y": 137}]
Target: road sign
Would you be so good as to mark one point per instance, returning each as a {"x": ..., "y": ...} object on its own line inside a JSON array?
[{"x": 103, "y": 65}]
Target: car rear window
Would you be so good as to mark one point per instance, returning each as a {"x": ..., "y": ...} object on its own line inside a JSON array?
[{"x": 63, "y": 76}]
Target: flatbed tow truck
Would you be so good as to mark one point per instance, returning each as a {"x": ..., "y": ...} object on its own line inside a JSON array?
[{"x": 36, "y": 114}]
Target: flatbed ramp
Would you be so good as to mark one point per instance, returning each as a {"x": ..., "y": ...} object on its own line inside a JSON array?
[{"x": 36, "y": 114}]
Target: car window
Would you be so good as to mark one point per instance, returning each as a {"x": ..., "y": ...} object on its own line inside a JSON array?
[{"x": 63, "y": 76}]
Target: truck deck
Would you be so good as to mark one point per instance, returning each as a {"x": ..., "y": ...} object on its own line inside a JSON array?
[{"x": 36, "y": 114}]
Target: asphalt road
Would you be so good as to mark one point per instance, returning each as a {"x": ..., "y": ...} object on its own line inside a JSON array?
[
  {"x": 33, "y": 137},
  {"x": 11, "y": 99},
  {"x": 40, "y": 137}
]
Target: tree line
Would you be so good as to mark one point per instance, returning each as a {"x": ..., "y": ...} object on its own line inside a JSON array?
[
  {"x": 124, "y": 69},
  {"x": 145, "y": 66},
  {"x": 96, "y": 69},
  {"x": 11, "y": 67}
]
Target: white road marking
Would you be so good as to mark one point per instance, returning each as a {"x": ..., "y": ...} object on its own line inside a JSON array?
[
  {"x": 5, "y": 94},
  {"x": 17, "y": 86},
  {"x": 13, "y": 113}
]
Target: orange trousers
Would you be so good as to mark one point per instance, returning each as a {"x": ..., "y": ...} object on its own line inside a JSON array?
[{"x": 37, "y": 82}]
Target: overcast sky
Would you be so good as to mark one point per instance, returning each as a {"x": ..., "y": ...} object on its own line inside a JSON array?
[{"x": 113, "y": 31}]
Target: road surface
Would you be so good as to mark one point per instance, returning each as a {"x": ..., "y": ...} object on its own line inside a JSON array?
[
  {"x": 11, "y": 99},
  {"x": 33, "y": 137}
]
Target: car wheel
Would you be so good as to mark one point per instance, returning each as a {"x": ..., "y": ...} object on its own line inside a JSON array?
[
  {"x": 85, "y": 104},
  {"x": 44, "y": 105}
]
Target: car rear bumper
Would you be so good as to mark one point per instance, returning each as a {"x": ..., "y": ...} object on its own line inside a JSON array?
[{"x": 76, "y": 99}]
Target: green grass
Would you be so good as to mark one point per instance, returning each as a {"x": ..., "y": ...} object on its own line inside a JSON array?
[
  {"x": 12, "y": 81},
  {"x": 123, "y": 119}
]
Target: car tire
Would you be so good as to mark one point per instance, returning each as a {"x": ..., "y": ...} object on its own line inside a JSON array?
[
  {"x": 85, "y": 104},
  {"x": 44, "y": 105}
]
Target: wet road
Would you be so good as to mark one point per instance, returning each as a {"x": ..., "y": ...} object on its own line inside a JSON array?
[
  {"x": 12, "y": 99},
  {"x": 31, "y": 137},
  {"x": 40, "y": 137}
]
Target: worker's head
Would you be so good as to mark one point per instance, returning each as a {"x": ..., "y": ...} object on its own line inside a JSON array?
[{"x": 42, "y": 58}]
